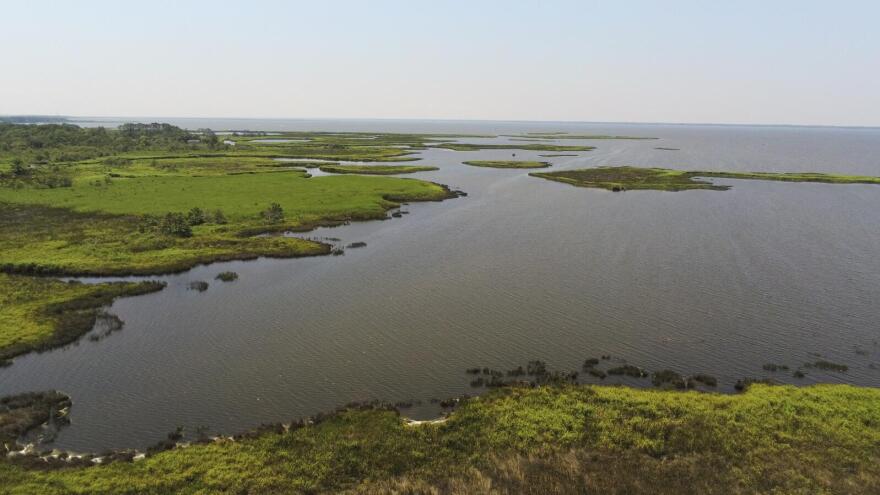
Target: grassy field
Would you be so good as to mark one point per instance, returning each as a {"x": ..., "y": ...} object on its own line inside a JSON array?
[
  {"x": 507, "y": 163},
  {"x": 375, "y": 169},
  {"x": 661, "y": 179},
  {"x": 38, "y": 313},
  {"x": 559, "y": 439}
]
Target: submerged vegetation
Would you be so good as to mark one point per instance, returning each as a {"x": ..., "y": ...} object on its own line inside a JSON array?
[
  {"x": 507, "y": 163},
  {"x": 662, "y": 179},
  {"x": 549, "y": 439}
]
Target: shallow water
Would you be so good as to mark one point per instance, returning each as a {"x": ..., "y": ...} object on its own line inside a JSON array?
[{"x": 520, "y": 269}]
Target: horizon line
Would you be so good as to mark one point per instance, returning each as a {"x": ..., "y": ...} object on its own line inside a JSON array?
[{"x": 83, "y": 118}]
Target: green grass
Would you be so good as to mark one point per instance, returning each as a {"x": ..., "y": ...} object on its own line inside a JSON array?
[
  {"x": 240, "y": 196},
  {"x": 38, "y": 313},
  {"x": 88, "y": 229},
  {"x": 375, "y": 169},
  {"x": 571, "y": 439},
  {"x": 661, "y": 179},
  {"x": 507, "y": 163},
  {"x": 525, "y": 147}
]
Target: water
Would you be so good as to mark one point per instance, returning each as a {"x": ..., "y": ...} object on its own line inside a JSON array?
[{"x": 520, "y": 269}]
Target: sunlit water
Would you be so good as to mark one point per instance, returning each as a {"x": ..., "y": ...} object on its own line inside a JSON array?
[{"x": 522, "y": 268}]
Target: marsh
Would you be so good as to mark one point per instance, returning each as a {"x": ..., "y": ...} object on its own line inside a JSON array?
[{"x": 520, "y": 269}]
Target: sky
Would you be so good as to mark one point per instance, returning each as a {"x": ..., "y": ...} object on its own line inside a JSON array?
[{"x": 767, "y": 62}]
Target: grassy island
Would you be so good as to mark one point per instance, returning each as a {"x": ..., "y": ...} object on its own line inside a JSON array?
[
  {"x": 507, "y": 163},
  {"x": 375, "y": 169},
  {"x": 662, "y": 179},
  {"x": 524, "y": 147},
  {"x": 563, "y": 135},
  {"x": 550, "y": 439}
]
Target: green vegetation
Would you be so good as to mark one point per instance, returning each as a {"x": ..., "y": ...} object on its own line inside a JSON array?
[
  {"x": 662, "y": 179},
  {"x": 507, "y": 163},
  {"x": 525, "y": 147},
  {"x": 375, "y": 169},
  {"x": 147, "y": 199},
  {"x": 555, "y": 439},
  {"x": 37, "y": 313},
  {"x": 226, "y": 276},
  {"x": 827, "y": 366}
]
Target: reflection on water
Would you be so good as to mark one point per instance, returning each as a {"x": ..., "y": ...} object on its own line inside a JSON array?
[{"x": 520, "y": 269}]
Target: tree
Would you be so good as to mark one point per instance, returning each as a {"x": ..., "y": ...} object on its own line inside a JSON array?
[
  {"x": 18, "y": 167},
  {"x": 273, "y": 214},
  {"x": 219, "y": 217},
  {"x": 175, "y": 224},
  {"x": 196, "y": 216}
]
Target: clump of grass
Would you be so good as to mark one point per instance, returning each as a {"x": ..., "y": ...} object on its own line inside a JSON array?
[
  {"x": 668, "y": 378},
  {"x": 590, "y": 363},
  {"x": 745, "y": 383},
  {"x": 226, "y": 276},
  {"x": 597, "y": 373},
  {"x": 707, "y": 380},
  {"x": 775, "y": 367},
  {"x": 827, "y": 366},
  {"x": 628, "y": 370},
  {"x": 198, "y": 285}
]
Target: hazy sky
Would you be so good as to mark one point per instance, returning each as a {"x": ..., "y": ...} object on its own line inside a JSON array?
[{"x": 802, "y": 62}]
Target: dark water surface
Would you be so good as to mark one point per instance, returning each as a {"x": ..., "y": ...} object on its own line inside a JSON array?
[{"x": 520, "y": 269}]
